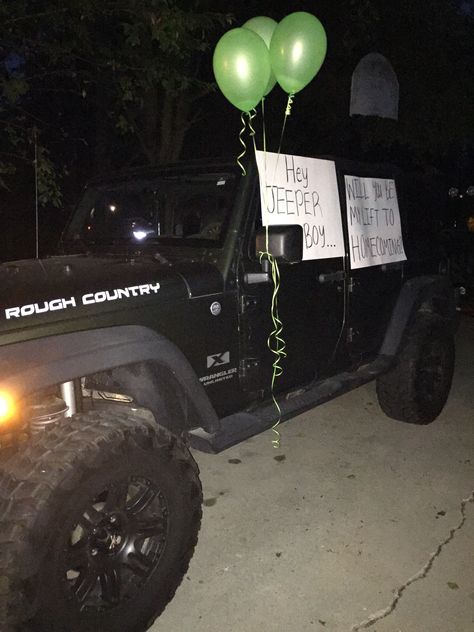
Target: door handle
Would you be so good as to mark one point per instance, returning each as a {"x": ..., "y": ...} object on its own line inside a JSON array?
[{"x": 330, "y": 277}]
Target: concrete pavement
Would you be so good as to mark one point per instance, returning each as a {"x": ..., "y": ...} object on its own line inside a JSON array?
[{"x": 357, "y": 522}]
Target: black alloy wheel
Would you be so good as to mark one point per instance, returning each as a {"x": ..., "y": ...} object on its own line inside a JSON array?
[{"x": 116, "y": 544}]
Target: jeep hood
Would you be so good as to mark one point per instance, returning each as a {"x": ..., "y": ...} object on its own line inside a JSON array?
[{"x": 61, "y": 286}]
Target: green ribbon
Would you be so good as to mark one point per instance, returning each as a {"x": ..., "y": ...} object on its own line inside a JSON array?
[
  {"x": 275, "y": 342},
  {"x": 242, "y": 142},
  {"x": 289, "y": 104}
]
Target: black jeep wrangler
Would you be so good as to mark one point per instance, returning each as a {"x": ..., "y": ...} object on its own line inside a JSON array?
[{"x": 148, "y": 334}]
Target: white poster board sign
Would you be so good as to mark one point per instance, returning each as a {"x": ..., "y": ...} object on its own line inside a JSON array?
[
  {"x": 373, "y": 220},
  {"x": 298, "y": 190}
]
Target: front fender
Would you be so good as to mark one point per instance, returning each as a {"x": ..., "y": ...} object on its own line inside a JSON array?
[
  {"x": 430, "y": 293},
  {"x": 31, "y": 366}
]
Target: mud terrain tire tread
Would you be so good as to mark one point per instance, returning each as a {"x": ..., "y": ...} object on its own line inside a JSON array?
[
  {"x": 401, "y": 392},
  {"x": 43, "y": 473}
]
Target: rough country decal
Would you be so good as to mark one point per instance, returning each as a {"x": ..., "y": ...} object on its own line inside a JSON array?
[{"x": 92, "y": 298}]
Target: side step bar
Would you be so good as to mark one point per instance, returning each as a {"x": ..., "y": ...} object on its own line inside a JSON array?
[{"x": 245, "y": 424}]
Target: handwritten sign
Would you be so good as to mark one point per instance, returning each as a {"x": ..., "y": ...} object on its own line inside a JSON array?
[
  {"x": 298, "y": 190},
  {"x": 373, "y": 220}
]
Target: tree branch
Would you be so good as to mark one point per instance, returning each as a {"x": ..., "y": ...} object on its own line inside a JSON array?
[
  {"x": 11, "y": 155},
  {"x": 139, "y": 135},
  {"x": 35, "y": 16}
]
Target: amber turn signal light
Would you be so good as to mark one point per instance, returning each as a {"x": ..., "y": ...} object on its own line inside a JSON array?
[{"x": 7, "y": 408}]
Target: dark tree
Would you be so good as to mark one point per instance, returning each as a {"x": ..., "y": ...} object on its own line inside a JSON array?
[{"x": 115, "y": 82}]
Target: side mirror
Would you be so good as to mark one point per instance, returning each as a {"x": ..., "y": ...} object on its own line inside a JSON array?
[{"x": 285, "y": 243}]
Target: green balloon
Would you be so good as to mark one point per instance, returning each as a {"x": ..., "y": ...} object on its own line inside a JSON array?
[
  {"x": 264, "y": 27},
  {"x": 297, "y": 50},
  {"x": 241, "y": 65}
]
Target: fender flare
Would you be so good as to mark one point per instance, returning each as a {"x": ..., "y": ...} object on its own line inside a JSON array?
[
  {"x": 30, "y": 366},
  {"x": 432, "y": 293}
]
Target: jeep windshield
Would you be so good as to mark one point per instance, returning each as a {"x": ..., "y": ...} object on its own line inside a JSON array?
[{"x": 172, "y": 209}]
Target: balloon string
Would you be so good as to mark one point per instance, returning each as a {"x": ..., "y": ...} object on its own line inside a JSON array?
[
  {"x": 242, "y": 142},
  {"x": 251, "y": 115},
  {"x": 264, "y": 134},
  {"x": 287, "y": 114},
  {"x": 289, "y": 104},
  {"x": 275, "y": 342}
]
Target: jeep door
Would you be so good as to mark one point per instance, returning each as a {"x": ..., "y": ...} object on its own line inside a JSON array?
[
  {"x": 373, "y": 233},
  {"x": 311, "y": 308}
]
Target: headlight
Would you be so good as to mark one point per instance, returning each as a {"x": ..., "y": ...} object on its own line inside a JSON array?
[
  {"x": 7, "y": 408},
  {"x": 453, "y": 192},
  {"x": 470, "y": 190}
]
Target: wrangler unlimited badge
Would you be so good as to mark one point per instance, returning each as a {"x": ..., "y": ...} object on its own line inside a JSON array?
[{"x": 86, "y": 299}]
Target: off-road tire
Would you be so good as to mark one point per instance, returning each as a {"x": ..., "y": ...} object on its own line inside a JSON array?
[
  {"x": 46, "y": 487},
  {"x": 415, "y": 390}
]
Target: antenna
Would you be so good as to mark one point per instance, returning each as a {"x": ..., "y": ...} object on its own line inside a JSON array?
[{"x": 36, "y": 194}]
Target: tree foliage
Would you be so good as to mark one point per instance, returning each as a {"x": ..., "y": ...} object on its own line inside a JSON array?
[{"x": 115, "y": 76}]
